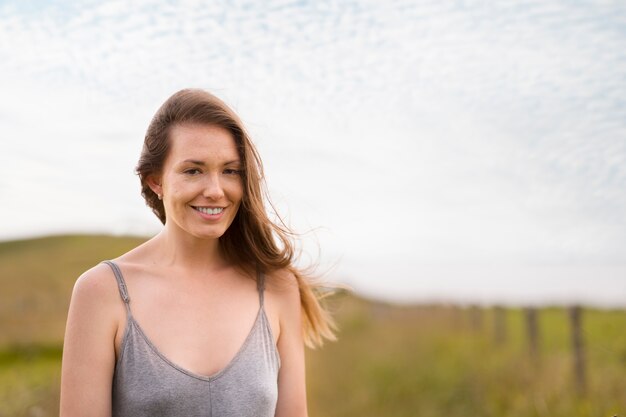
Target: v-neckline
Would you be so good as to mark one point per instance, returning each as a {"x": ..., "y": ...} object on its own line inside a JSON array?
[{"x": 132, "y": 322}]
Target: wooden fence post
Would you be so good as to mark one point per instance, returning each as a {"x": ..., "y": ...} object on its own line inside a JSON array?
[
  {"x": 575, "y": 313},
  {"x": 532, "y": 329},
  {"x": 499, "y": 322},
  {"x": 476, "y": 318}
]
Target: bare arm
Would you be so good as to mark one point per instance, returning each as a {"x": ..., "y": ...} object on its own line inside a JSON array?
[
  {"x": 291, "y": 378},
  {"x": 88, "y": 347}
]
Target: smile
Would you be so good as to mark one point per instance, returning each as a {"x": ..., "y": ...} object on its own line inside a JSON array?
[{"x": 209, "y": 210}]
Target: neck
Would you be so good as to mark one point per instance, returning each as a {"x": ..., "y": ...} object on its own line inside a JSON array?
[{"x": 183, "y": 251}]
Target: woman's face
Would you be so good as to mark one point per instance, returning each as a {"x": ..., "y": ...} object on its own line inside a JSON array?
[{"x": 201, "y": 182}]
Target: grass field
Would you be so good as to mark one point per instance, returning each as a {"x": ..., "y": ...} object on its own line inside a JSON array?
[{"x": 389, "y": 361}]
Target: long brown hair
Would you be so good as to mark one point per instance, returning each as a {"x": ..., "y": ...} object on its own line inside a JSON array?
[{"x": 253, "y": 240}]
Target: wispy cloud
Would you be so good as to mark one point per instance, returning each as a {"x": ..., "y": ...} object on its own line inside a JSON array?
[{"x": 434, "y": 131}]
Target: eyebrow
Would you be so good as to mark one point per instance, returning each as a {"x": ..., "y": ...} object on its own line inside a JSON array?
[{"x": 201, "y": 163}]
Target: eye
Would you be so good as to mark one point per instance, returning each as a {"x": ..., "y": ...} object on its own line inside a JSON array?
[
  {"x": 232, "y": 171},
  {"x": 192, "y": 171}
]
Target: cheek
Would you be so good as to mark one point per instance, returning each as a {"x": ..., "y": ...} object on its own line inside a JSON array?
[
  {"x": 240, "y": 193},
  {"x": 177, "y": 190},
  {"x": 235, "y": 191}
]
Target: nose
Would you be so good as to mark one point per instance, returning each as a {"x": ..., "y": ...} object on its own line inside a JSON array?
[{"x": 213, "y": 188}]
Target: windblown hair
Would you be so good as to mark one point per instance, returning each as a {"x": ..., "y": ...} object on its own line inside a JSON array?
[{"x": 253, "y": 241}]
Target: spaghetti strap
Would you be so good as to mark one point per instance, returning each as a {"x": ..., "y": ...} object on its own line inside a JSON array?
[
  {"x": 260, "y": 281},
  {"x": 120, "y": 283}
]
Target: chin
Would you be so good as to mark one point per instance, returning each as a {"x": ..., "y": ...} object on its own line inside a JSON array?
[
  {"x": 203, "y": 232},
  {"x": 209, "y": 235}
]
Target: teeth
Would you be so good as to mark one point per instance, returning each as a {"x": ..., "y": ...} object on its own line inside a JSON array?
[{"x": 208, "y": 210}]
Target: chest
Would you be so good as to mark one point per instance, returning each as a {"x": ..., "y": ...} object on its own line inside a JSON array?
[
  {"x": 198, "y": 330},
  {"x": 146, "y": 383}
]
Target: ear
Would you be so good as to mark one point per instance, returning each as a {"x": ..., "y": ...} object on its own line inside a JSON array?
[{"x": 154, "y": 182}]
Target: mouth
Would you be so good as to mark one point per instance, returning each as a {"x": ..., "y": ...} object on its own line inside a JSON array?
[{"x": 209, "y": 210}]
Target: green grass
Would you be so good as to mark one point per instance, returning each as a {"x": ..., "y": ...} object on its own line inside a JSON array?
[
  {"x": 431, "y": 361},
  {"x": 29, "y": 380},
  {"x": 37, "y": 276},
  {"x": 389, "y": 361}
]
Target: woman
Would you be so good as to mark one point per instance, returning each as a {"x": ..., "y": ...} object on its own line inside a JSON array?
[{"x": 209, "y": 317}]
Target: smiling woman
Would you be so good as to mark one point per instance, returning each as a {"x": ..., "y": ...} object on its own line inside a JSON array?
[{"x": 219, "y": 314}]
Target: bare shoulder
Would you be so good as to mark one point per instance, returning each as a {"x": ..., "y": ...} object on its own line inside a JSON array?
[
  {"x": 97, "y": 284},
  {"x": 282, "y": 285},
  {"x": 283, "y": 300},
  {"x": 96, "y": 295}
]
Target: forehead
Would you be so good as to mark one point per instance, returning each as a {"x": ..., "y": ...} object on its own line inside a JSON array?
[{"x": 201, "y": 142}]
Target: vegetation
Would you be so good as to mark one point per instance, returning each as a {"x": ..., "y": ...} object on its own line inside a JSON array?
[
  {"x": 389, "y": 361},
  {"x": 437, "y": 360}
]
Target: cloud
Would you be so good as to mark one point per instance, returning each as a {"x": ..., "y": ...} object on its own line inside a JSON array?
[{"x": 444, "y": 133}]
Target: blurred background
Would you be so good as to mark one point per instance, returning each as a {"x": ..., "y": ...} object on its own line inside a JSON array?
[{"x": 461, "y": 165}]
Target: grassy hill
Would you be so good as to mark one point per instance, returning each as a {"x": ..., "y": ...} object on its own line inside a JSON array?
[
  {"x": 36, "y": 278},
  {"x": 423, "y": 360}
]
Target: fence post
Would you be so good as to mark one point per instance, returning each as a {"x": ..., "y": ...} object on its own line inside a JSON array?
[
  {"x": 476, "y": 318},
  {"x": 575, "y": 313},
  {"x": 532, "y": 329},
  {"x": 499, "y": 321}
]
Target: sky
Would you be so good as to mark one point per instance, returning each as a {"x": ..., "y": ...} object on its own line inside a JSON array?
[{"x": 457, "y": 151}]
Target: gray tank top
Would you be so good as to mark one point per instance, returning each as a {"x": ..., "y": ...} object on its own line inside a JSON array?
[{"x": 146, "y": 383}]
